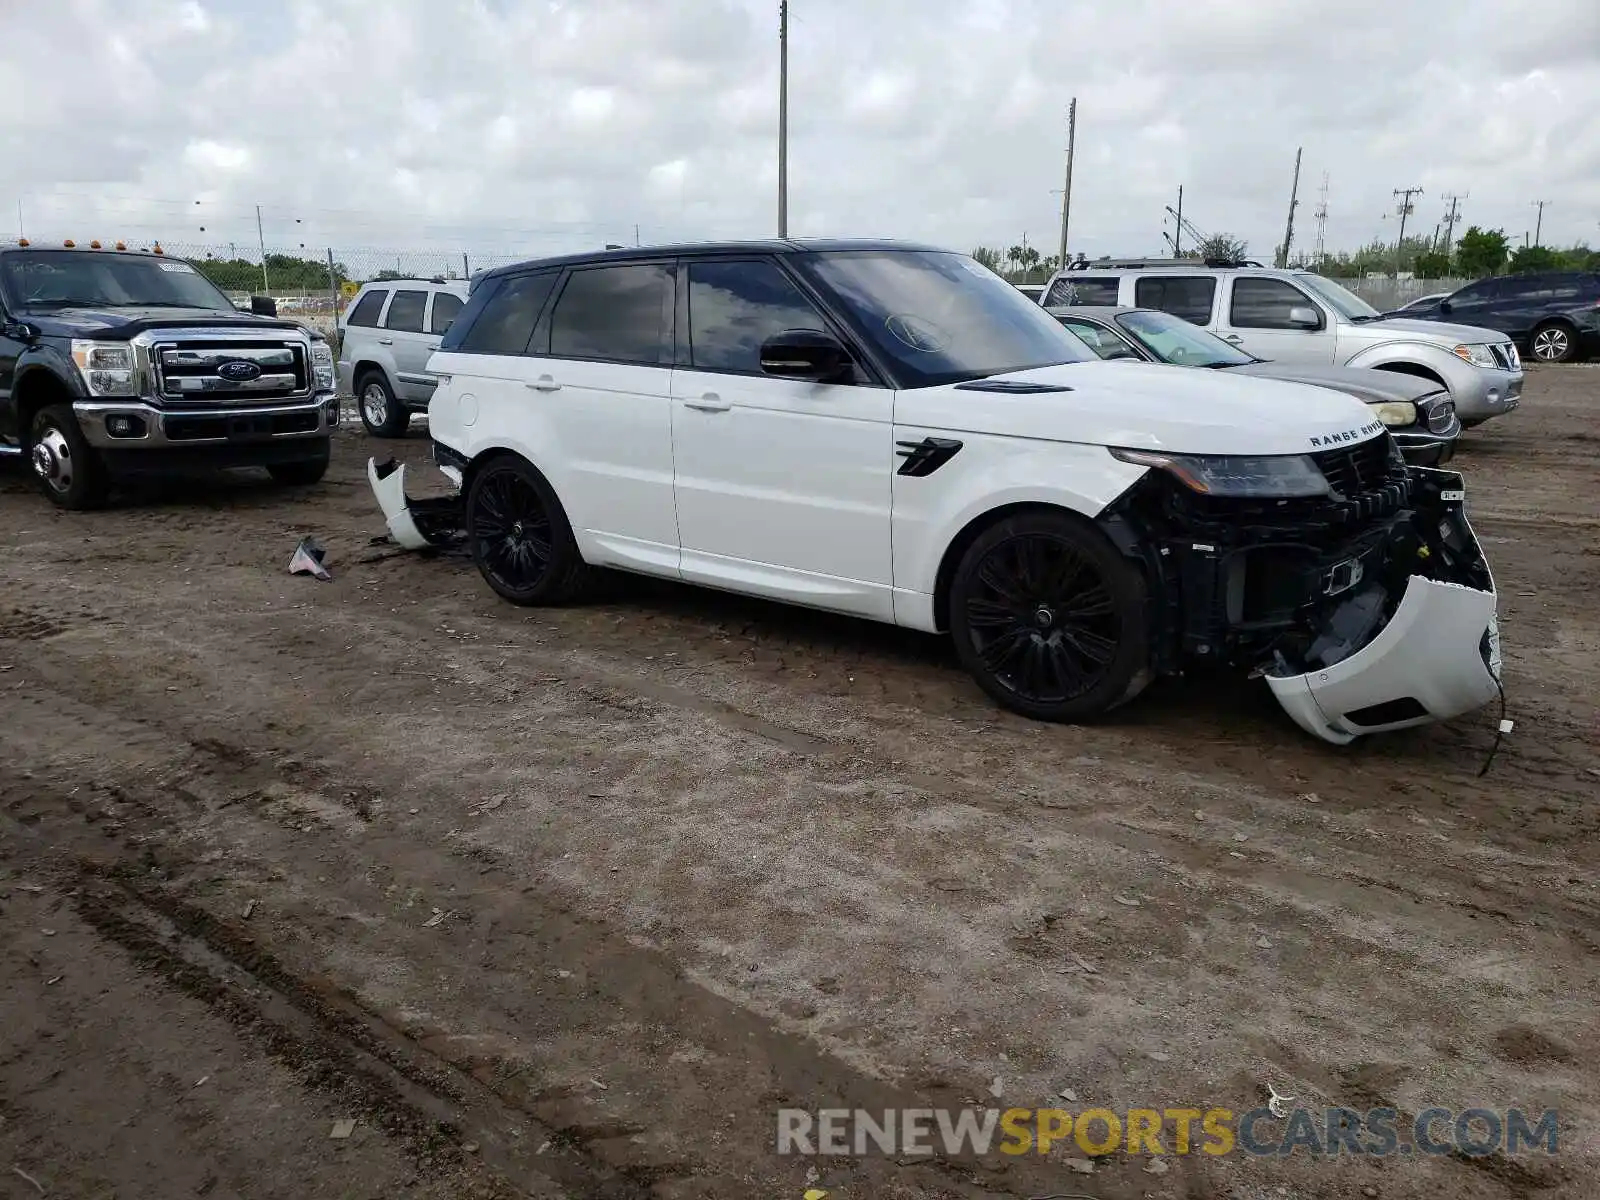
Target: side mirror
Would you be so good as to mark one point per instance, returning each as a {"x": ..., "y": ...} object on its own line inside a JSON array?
[
  {"x": 1444, "y": 306},
  {"x": 1303, "y": 317},
  {"x": 805, "y": 354},
  {"x": 19, "y": 331},
  {"x": 263, "y": 306}
]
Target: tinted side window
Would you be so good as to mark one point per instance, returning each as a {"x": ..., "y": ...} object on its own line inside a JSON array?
[
  {"x": 1265, "y": 304},
  {"x": 505, "y": 324},
  {"x": 368, "y": 307},
  {"x": 612, "y": 313},
  {"x": 735, "y": 306},
  {"x": 1476, "y": 293},
  {"x": 446, "y": 307},
  {"x": 405, "y": 312},
  {"x": 1186, "y": 296},
  {"x": 1100, "y": 290}
]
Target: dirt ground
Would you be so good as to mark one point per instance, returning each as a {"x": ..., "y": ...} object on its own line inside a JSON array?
[{"x": 568, "y": 903}]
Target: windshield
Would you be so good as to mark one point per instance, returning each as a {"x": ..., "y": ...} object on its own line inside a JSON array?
[
  {"x": 939, "y": 317},
  {"x": 78, "y": 279},
  {"x": 1174, "y": 340},
  {"x": 1347, "y": 304}
]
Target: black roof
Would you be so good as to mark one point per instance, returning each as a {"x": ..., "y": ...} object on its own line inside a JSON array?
[{"x": 708, "y": 249}]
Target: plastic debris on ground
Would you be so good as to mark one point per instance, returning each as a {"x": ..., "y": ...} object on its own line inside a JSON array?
[{"x": 307, "y": 560}]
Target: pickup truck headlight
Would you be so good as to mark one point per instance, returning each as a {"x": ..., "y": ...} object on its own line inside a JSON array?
[
  {"x": 1479, "y": 355},
  {"x": 106, "y": 367},
  {"x": 1276, "y": 476},
  {"x": 322, "y": 364},
  {"x": 1396, "y": 413}
]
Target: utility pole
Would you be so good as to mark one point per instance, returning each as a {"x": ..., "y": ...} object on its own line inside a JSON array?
[
  {"x": 1538, "y": 224},
  {"x": 1294, "y": 201},
  {"x": 1177, "y": 227},
  {"x": 333, "y": 288},
  {"x": 783, "y": 118},
  {"x": 1321, "y": 215},
  {"x": 1405, "y": 211},
  {"x": 1450, "y": 220},
  {"x": 1066, "y": 187},
  {"x": 262, "y": 239}
]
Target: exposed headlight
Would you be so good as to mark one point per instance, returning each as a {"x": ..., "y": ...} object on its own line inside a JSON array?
[
  {"x": 106, "y": 367},
  {"x": 1396, "y": 413},
  {"x": 1280, "y": 476},
  {"x": 1478, "y": 356},
  {"x": 322, "y": 364}
]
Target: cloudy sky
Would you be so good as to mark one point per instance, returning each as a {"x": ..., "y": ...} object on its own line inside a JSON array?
[{"x": 528, "y": 126}]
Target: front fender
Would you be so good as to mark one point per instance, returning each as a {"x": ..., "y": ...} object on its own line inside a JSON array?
[
  {"x": 1457, "y": 374},
  {"x": 988, "y": 473}
]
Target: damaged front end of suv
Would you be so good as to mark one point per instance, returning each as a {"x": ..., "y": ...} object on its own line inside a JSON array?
[{"x": 1351, "y": 582}]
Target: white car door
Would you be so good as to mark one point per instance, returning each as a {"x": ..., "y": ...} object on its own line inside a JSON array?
[
  {"x": 782, "y": 485},
  {"x": 1276, "y": 320},
  {"x": 582, "y": 392}
]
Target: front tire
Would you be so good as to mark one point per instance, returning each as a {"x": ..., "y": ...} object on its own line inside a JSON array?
[
  {"x": 303, "y": 473},
  {"x": 1553, "y": 343},
  {"x": 382, "y": 414},
  {"x": 1050, "y": 618},
  {"x": 66, "y": 467},
  {"x": 521, "y": 539}
]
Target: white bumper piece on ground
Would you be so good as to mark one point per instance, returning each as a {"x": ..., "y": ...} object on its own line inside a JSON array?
[
  {"x": 390, "y": 489},
  {"x": 1429, "y": 653},
  {"x": 414, "y": 524}
]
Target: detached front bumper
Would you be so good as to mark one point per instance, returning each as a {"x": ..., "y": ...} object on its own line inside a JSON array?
[
  {"x": 414, "y": 524},
  {"x": 1438, "y": 657}
]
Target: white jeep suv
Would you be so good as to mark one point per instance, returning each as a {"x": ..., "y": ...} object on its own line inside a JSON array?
[{"x": 892, "y": 431}]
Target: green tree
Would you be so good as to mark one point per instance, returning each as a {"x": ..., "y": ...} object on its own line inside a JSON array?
[
  {"x": 1481, "y": 252},
  {"x": 989, "y": 257},
  {"x": 1534, "y": 258},
  {"x": 1431, "y": 264},
  {"x": 1223, "y": 246}
]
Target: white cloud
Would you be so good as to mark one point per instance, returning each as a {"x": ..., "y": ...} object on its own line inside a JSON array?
[{"x": 535, "y": 126}]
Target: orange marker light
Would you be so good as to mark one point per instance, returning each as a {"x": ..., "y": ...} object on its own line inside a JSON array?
[
  {"x": 120, "y": 246},
  {"x": 23, "y": 242},
  {"x": 95, "y": 245},
  {"x": 70, "y": 244},
  {"x": 158, "y": 249}
]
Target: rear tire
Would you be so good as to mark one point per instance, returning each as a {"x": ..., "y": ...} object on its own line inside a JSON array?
[
  {"x": 66, "y": 467},
  {"x": 303, "y": 473},
  {"x": 521, "y": 539},
  {"x": 382, "y": 414},
  {"x": 1553, "y": 343},
  {"x": 1050, "y": 618}
]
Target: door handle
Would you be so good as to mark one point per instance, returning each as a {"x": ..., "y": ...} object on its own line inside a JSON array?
[
  {"x": 1232, "y": 337},
  {"x": 710, "y": 402},
  {"x": 544, "y": 383},
  {"x": 385, "y": 341}
]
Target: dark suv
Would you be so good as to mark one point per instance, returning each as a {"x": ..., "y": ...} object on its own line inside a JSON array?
[{"x": 1554, "y": 315}]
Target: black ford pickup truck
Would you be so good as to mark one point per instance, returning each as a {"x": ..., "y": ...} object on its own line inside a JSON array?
[{"x": 117, "y": 362}]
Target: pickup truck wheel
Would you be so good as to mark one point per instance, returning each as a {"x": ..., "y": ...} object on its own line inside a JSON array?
[
  {"x": 69, "y": 472},
  {"x": 381, "y": 413},
  {"x": 1050, "y": 618},
  {"x": 1553, "y": 343},
  {"x": 521, "y": 539},
  {"x": 303, "y": 473}
]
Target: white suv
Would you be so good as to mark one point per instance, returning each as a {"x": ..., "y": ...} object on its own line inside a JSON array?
[
  {"x": 386, "y": 337},
  {"x": 893, "y": 431},
  {"x": 1303, "y": 319}
]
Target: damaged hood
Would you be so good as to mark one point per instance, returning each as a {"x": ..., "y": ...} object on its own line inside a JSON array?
[{"x": 1144, "y": 406}]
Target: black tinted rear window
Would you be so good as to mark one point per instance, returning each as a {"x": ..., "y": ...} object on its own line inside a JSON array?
[
  {"x": 368, "y": 307},
  {"x": 1098, "y": 290},
  {"x": 612, "y": 313},
  {"x": 1186, "y": 296},
  {"x": 405, "y": 312},
  {"x": 505, "y": 322}
]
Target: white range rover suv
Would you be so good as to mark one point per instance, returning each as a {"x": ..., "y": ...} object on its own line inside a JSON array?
[{"x": 893, "y": 431}]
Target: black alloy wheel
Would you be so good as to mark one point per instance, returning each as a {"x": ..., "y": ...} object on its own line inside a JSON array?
[
  {"x": 521, "y": 540},
  {"x": 1050, "y": 618}
]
